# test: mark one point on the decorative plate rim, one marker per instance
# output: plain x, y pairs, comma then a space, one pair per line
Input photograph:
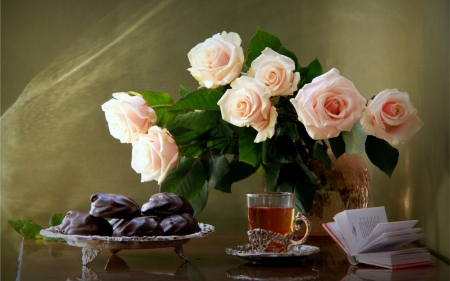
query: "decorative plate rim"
243, 252
205, 230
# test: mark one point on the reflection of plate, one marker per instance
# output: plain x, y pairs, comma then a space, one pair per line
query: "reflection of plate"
297, 253
127, 242
252, 271
117, 269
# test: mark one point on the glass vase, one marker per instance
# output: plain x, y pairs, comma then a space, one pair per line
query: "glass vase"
346, 186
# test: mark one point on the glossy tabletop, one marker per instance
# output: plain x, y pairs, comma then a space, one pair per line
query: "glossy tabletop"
49, 260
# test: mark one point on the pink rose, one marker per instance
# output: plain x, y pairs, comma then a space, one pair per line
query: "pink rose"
391, 116
328, 105
276, 72
247, 103
154, 154
128, 116
218, 60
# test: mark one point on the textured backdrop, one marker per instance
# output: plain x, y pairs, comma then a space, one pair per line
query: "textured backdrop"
62, 59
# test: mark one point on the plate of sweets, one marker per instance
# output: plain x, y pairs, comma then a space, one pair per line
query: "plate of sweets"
166, 220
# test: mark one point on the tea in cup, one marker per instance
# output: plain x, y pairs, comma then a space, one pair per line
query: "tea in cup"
274, 212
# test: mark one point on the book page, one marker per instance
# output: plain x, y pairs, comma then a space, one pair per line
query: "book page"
384, 227
356, 225
392, 243
333, 229
399, 233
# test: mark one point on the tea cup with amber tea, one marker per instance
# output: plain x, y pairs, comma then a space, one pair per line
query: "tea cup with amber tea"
271, 222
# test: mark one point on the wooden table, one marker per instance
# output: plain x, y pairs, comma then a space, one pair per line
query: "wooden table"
48, 260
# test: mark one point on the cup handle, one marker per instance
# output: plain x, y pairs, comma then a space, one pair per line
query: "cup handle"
299, 217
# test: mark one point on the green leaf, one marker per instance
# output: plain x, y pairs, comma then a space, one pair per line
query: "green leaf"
240, 170
237, 130
315, 69
319, 152
289, 181
303, 71
270, 146
272, 173
284, 149
288, 54
186, 179
197, 121
217, 168
219, 142
17, 225
311, 177
230, 147
250, 151
301, 83
156, 99
382, 154
337, 145
301, 130
56, 219
183, 91
192, 151
291, 130
187, 137
266, 159
27, 228
355, 139
199, 141
259, 42
164, 116
304, 197
225, 129
199, 201
203, 99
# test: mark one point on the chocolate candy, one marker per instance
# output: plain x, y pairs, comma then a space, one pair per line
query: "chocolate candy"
113, 206
84, 224
179, 224
139, 226
166, 204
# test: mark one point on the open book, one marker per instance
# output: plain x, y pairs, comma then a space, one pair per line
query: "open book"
367, 237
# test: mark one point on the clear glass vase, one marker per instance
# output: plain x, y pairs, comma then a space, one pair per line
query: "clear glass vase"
346, 186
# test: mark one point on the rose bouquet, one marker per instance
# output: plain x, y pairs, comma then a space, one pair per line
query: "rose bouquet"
261, 111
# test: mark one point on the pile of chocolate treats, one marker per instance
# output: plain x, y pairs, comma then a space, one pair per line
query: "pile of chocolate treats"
164, 214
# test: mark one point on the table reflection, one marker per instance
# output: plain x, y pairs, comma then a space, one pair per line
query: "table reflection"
368, 273
117, 269
50, 260
251, 271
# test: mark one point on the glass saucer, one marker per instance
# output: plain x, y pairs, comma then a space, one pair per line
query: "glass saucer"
297, 253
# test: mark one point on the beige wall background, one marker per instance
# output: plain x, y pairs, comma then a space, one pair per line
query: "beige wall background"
62, 59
